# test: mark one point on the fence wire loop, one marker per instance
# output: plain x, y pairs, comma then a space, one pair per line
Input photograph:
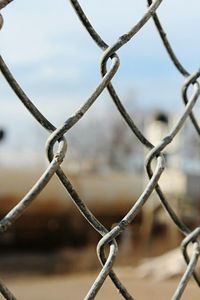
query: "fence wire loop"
155, 152
192, 238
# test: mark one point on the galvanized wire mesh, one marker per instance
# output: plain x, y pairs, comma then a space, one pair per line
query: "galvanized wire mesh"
57, 136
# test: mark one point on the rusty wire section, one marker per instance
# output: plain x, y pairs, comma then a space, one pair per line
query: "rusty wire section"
154, 153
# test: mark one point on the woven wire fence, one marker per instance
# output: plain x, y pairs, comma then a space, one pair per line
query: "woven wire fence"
57, 136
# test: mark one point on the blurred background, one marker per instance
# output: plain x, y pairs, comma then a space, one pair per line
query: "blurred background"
57, 64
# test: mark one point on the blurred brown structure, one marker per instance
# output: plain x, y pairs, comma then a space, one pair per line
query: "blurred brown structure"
53, 219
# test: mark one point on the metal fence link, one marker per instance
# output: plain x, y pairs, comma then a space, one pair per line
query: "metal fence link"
57, 135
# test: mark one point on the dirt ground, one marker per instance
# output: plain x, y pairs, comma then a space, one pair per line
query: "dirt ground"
68, 275
75, 286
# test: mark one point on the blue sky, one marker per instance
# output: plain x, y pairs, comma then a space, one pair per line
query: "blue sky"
57, 63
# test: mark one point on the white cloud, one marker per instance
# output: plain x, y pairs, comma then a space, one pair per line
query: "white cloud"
40, 32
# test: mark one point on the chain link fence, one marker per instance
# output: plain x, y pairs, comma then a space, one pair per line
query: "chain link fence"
57, 136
